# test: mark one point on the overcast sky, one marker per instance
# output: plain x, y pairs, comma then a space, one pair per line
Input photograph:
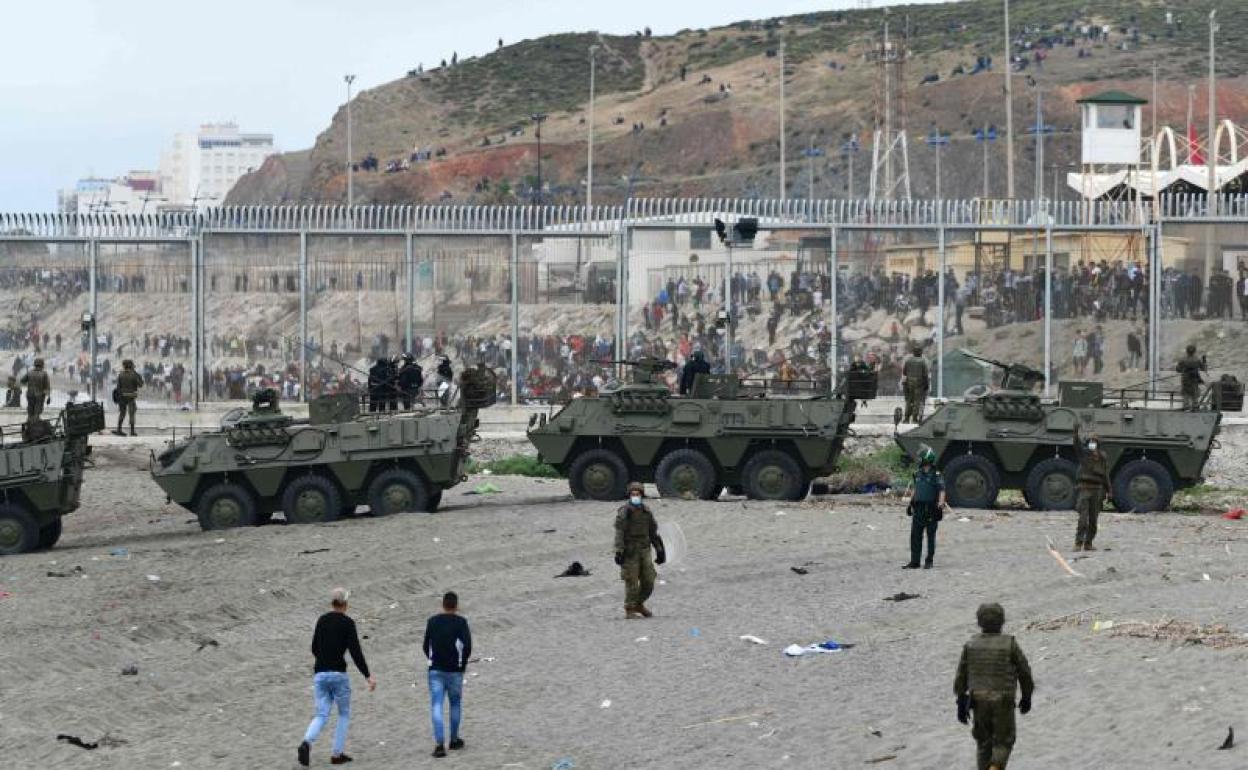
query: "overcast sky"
100, 87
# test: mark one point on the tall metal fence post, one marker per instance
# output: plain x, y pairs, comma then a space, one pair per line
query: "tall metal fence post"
93, 258
940, 315
621, 299
197, 320
409, 256
833, 326
1153, 235
515, 317
1048, 309
303, 315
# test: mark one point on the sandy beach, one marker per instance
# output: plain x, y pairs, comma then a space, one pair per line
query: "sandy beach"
218, 625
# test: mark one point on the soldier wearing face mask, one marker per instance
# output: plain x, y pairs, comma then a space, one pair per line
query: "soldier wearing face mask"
636, 532
1093, 485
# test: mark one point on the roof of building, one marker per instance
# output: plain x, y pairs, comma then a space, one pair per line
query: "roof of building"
1112, 97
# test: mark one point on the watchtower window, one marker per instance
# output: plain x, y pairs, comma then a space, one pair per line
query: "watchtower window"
1121, 116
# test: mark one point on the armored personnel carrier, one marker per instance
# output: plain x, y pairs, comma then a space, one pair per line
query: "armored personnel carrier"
41, 474
765, 439
1009, 438
262, 461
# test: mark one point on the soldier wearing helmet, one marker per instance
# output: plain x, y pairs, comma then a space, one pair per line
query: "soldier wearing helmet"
1093, 487
1190, 367
636, 532
926, 508
129, 382
38, 391
915, 383
990, 670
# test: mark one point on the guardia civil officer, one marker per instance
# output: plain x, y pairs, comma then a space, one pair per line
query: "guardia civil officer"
916, 383
636, 532
411, 378
378, 385
1190, 367
991, 669
697, 365
926, 508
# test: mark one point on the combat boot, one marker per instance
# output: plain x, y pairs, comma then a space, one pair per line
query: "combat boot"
1089, 547
645, 613
631, 613
1078, 546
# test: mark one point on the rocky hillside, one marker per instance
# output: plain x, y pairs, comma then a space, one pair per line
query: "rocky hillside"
696, 113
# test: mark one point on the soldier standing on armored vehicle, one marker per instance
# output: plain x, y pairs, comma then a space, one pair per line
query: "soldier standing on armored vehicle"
992, 665
1190, 368
378, 385
1093, 487
915, 382
695, 366
411, 378
38, 388
635, 533
128, 384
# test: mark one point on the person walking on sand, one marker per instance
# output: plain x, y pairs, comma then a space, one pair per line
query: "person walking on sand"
992, 666
335, 635
635, 533
447, 646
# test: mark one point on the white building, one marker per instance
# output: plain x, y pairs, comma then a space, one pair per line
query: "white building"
136, 193
199, 169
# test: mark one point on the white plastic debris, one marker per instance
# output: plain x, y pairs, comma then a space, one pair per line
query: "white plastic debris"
153, 578
754, 639
1205, 576
606, 704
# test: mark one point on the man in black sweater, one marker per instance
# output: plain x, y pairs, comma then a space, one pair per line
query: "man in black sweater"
335, 635
447, 645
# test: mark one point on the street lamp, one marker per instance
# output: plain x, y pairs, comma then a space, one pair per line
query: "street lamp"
783, 186
848, 151
811, 153
589, 182
937, 140
349, 79
984, 136
538, 118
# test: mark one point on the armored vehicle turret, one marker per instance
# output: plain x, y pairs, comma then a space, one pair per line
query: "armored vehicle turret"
41, 469
766, 439
262, 461
1011, 438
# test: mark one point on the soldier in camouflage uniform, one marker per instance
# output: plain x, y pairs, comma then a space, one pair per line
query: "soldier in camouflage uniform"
1092, 482
915, 383
1190, 368
991, 666
635, 533
38, 391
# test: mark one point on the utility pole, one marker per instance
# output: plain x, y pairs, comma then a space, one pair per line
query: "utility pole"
783, 187
538, 118
1152, 129
589, 181
350, 180
937, 140
1211, 151
1187, 138
985, 136
1009, 109
849, 149
1039, 147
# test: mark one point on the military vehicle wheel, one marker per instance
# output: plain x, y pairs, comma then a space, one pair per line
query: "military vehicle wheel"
224, 506
18, 531
1051, 485
397, 490
50, 533
686, 474
435, 500
1142, 486
971, 481
598, 474
773, 475
311, 499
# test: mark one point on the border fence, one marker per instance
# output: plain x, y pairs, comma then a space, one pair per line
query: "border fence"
214, 304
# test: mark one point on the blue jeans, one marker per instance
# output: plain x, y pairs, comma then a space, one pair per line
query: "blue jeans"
328, 688
445, 685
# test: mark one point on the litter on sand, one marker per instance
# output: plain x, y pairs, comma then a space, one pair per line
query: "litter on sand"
74, 740
901, 596
488, 488
1230, 739
800, 570
1234, 514
575, 569
753, 639
797, 651
563, 764
131, 670
153, 578
313, 550
1060, 561
606, 704
70, 573
119, 552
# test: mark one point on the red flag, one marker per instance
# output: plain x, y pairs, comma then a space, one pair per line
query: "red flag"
1194, 155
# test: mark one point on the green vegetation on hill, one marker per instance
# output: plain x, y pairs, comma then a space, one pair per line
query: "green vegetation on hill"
550, 74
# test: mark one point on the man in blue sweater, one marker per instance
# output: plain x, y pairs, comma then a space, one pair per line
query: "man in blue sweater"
448, 646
